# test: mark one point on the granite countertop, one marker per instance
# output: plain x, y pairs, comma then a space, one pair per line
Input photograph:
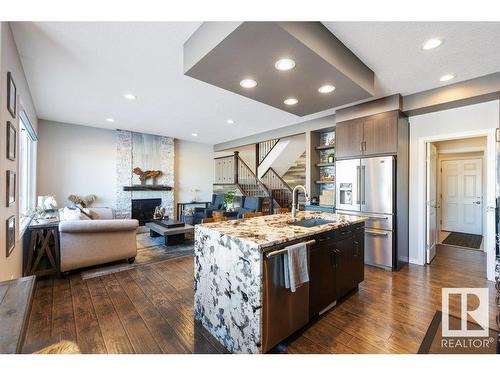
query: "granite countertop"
271, 230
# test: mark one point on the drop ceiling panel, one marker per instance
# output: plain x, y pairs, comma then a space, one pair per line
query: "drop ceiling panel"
251, 51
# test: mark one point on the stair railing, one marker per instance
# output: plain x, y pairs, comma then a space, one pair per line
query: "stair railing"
280, 191
264, 148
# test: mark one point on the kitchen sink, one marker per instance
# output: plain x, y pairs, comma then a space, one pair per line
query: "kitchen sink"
313, 222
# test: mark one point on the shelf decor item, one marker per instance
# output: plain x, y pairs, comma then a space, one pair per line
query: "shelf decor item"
195, 195
331, 157
11, 95
11, 141
145, 175
11, 187
10, 238
85, 201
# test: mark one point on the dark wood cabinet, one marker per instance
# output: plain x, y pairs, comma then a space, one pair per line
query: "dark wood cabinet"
380, 134
349, 138
343, 266
366, 136
336, 265
322, 289
358, 256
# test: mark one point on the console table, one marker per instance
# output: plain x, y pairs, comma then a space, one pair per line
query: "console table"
43, 250
182, 206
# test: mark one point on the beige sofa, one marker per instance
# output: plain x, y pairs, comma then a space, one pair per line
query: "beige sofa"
85, 243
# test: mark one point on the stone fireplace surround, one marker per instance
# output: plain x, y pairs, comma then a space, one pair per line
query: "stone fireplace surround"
147, 152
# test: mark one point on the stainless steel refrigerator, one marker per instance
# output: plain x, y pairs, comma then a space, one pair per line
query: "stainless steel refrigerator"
367, 187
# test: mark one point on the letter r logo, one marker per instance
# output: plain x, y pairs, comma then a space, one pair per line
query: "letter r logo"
477, 314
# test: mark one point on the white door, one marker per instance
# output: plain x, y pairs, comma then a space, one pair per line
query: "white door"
432, 232
462, 195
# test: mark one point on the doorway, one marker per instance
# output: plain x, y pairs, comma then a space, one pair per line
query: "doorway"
461, 195
456, 190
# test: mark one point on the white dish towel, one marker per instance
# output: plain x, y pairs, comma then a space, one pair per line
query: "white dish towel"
295, 262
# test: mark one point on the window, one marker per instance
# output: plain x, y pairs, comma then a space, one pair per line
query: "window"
27, 162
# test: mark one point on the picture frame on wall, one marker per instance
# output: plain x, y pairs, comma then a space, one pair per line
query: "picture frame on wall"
11, 187
10, 235
11, 95
11, 141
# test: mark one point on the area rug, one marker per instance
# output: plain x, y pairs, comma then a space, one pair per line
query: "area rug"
434, 343
150, 250
472, 241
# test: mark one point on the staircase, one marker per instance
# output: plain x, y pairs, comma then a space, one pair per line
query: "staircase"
296, 174
232, 171
280, 191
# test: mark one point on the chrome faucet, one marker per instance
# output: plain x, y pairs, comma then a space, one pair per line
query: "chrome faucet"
295, 204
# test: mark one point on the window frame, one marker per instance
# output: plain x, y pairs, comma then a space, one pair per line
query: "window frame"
26, 170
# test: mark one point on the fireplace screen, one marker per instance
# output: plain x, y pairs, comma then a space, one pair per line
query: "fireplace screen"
143, 209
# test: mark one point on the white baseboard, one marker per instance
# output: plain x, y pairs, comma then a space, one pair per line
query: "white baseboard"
415, 261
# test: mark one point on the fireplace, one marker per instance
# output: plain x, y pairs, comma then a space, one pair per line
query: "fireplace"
143, 209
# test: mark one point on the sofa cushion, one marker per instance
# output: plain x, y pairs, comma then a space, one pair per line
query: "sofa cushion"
102, 213
94, 226
72, 214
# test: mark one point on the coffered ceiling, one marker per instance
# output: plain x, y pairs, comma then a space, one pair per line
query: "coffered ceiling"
79, 72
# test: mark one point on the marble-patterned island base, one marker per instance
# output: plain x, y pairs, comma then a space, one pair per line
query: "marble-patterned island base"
228, 295
228, 289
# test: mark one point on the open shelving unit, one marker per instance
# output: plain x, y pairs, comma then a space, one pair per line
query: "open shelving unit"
325, 147
322, 145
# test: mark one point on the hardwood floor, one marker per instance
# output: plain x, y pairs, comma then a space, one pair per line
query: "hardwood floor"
150, 309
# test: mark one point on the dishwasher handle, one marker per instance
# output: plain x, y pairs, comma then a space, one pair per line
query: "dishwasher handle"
281, 251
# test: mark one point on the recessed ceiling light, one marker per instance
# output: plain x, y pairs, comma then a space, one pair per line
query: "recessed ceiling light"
109, 119
326, 89
230, 122
447, 77
284, 64
291, 101
129, 96
194, 134
432, 43
248, 83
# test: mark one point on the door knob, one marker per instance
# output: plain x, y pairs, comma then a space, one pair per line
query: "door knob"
477, 202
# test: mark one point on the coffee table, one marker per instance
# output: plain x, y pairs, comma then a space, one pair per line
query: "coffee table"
172, 230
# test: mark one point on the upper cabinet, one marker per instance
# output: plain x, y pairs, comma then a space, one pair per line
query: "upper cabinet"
349, 138
371, 135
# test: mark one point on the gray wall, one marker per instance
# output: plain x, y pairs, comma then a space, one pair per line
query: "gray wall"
82, 160
11, 267
76, 159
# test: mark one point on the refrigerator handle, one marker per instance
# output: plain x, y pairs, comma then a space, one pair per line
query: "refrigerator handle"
358, 183
363, 187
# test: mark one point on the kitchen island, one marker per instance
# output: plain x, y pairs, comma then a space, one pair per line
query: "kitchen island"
240, 296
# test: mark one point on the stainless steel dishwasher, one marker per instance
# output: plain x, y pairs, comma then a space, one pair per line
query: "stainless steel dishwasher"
283, 312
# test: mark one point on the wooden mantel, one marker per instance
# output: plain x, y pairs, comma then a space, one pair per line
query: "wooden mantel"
147, 188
